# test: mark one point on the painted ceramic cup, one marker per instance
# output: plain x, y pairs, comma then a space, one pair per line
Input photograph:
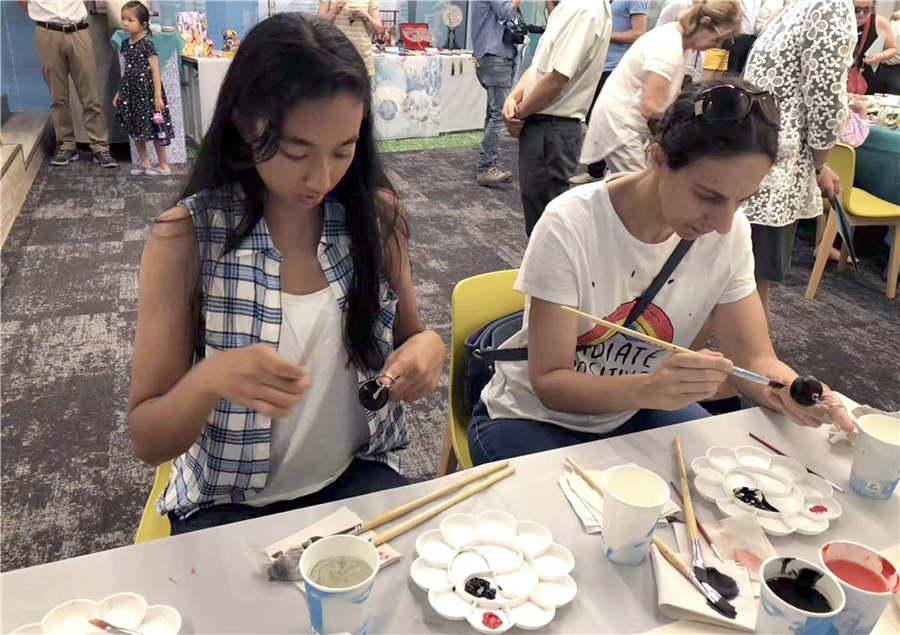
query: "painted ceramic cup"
633, 499
869, 581
778, 616
339, 610
876, 457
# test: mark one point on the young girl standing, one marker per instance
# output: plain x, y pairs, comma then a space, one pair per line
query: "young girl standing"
276, 292
141, 95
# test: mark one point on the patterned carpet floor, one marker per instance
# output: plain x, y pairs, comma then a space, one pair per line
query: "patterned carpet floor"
70, 484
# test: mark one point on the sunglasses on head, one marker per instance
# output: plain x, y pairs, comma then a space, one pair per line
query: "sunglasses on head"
732, 104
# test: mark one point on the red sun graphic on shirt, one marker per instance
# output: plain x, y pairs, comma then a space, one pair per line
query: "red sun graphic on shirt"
653, 321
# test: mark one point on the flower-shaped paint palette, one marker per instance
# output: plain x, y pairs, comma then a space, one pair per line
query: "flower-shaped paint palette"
494, 571
778, 490
125, 610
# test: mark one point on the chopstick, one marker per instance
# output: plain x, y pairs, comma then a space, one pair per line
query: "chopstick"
430, 513
699, 525
712, 596
689, 518
808, 468
742, 373
392, 514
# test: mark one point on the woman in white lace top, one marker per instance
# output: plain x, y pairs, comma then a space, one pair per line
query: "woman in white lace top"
802, 57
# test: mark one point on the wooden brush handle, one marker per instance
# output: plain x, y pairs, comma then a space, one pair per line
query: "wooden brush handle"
689, 518
430, 513
672, 558
392, 514
580, 471
669, 346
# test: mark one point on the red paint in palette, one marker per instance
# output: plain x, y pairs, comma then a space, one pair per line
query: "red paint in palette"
491, 620
859, 576
818, 509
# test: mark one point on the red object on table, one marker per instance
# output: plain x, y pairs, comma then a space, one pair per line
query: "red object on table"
491, 620
415, 35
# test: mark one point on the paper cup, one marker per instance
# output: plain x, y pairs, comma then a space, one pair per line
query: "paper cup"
778, 616
333, 610
864, 604
632, 501
876, 457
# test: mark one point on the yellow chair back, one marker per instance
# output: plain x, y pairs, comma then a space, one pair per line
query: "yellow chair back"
842, 159
476, 301
154, 526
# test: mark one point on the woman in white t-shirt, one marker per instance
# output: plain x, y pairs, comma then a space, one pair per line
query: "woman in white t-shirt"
647, 80
598, 247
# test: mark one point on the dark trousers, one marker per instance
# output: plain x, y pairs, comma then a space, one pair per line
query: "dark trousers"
739, 53
548, 156
496, 439
362, 477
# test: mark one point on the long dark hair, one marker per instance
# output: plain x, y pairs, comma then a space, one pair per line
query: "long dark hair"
283, 60
685, 139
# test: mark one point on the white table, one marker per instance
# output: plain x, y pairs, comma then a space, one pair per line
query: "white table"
229, 595
202, 77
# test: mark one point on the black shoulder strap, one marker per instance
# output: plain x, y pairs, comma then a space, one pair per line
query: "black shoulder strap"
521, 354
650, 294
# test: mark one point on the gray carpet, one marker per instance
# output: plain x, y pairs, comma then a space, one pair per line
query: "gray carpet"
69, 268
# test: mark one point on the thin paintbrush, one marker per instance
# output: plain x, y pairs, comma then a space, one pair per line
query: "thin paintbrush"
742, 373
808, 468
699, 525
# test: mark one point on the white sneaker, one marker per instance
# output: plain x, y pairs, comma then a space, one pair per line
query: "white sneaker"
492, 177
158, 172
139, 171
582, 179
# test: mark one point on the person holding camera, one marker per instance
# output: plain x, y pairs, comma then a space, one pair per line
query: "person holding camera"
546, 109
496, 32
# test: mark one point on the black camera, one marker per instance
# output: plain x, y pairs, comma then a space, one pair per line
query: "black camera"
514, 32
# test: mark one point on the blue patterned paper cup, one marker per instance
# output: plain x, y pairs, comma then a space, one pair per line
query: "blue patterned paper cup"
343, 610
777, 617
876, 457
632, 501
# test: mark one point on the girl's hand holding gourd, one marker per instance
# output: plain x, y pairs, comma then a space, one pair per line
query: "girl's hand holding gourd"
256, 377
415, 367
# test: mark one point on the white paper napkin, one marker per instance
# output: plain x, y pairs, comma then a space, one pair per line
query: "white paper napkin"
679, 600
588, 504
334, 523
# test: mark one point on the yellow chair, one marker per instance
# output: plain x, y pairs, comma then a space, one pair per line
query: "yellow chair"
154, 526
476, 301
862, 209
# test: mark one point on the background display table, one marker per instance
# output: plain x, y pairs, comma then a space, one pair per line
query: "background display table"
202, 78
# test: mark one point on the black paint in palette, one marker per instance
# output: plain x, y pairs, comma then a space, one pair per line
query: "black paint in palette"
798, 588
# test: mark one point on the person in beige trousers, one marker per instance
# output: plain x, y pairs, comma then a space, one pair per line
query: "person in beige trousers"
64, 46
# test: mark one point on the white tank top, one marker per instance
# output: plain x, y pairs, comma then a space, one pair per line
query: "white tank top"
317, 441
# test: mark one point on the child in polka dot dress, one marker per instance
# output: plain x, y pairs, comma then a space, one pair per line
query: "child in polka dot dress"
141, 95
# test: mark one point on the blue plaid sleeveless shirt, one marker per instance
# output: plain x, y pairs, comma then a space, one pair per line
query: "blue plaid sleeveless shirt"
241, 306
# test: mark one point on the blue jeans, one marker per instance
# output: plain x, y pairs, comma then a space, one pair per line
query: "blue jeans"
362, 477
496, 439
495, 74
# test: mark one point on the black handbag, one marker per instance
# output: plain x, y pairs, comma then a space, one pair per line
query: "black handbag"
482, 348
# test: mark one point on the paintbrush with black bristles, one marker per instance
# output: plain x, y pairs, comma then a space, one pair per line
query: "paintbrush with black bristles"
713, 598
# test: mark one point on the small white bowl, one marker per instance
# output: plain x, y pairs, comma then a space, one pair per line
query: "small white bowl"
496, 525
752, 456
812, 508
428, 577
459, 529
431, 547
557, 562
530, 617
721, 458
70, 618
126, 610
29, 629
448, 604
161, 620
555, 592
533, 538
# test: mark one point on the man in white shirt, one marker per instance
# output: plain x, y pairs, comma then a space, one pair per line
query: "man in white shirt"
546, 109
65, 48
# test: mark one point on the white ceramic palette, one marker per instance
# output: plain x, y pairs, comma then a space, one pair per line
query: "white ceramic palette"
526, 570
802, 502
127, 610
